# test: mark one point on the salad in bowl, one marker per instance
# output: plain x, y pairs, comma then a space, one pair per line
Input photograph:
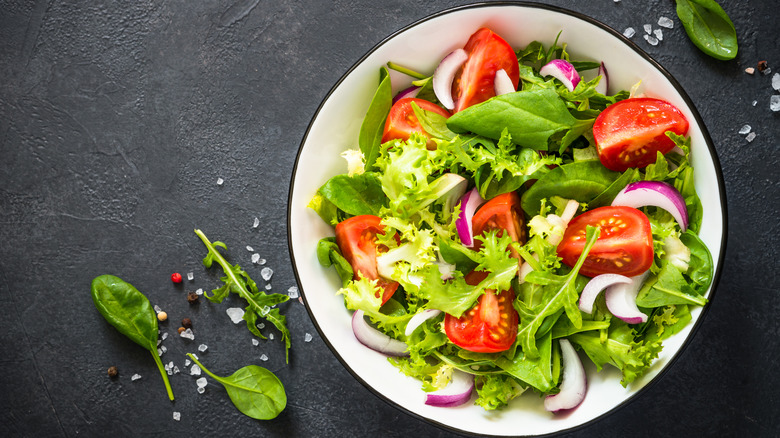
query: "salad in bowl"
510, 231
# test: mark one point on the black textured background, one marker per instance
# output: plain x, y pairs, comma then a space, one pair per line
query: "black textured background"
118, 117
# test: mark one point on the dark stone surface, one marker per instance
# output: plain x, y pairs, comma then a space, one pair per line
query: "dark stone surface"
117, 118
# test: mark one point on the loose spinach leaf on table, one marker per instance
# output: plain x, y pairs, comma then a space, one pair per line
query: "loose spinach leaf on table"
370, 137
254, 390
709, 27
259, 304
130, 312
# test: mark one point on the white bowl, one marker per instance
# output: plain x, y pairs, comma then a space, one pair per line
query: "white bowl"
335, 127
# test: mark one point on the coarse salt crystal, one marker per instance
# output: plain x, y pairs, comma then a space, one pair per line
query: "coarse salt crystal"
164, 348
270, 336
776, 81
263, 357
292, 292
255, 342
261, 262
268, 286
135, 377
165, 336
203, 347
261, 326
187, 334
249, 248
665, 22
175, 369
659, 34
159, 341
750, 137
190, 276
255, 258
766, 71
220, 181
774, 102
195, 356
629, 32
199, 291
201, 382
266, 273
651, 40
755, 102
307, 337
750, 70
744, 129
177, 416
256, 223
187, 362
159, 352
157, 308
201, 389
648, 28
236, 314
195, 370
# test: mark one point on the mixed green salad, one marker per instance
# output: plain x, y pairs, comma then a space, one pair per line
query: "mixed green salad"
486, 208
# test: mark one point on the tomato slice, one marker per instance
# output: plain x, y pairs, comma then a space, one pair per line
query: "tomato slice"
629, 133
504, 213
488, 327
625, 245
356, 237
487, 54
402, 122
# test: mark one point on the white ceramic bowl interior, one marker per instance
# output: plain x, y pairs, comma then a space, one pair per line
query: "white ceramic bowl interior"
335, 128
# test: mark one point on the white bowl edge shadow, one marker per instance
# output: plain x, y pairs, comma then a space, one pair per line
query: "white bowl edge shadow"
335, 128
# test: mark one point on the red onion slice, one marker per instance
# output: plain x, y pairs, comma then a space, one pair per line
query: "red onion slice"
409, 92
374, 339
445, 74
621, 300
603, 86
656, 194
595, 286
468, 205
502, 84
563, 71
418, 319
573, 384
456, 393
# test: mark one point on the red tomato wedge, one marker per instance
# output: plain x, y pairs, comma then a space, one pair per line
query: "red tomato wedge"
402, 122
629, 133
356, 237
487, 54
625, 245
488, 327
501, 213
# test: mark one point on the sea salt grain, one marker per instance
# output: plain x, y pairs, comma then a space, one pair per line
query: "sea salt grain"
750, 137
255, 258
261, 262
270, 336
292, 292
135, 377
164, 348
255, 342
629, 32
755, 102
199, 291
266, 273
750, 70
201, 382
157, 309
195, 370
187, 362
648, 28
164, 336
776, 81
263, 357
236, 314
651, 40
256, 223
665, 22
190, 276
220, 181
177, 416
175, 369
203, 347
250, 249
187, 334
307, 337
268, 286
774, 102
744, 130
201, 389
659, 34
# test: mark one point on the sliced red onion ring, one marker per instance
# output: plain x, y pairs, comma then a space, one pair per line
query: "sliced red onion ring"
418, 319
573, 384
603, 86
657, 194
502, 84
409, 92
445, 74
595, 286
455, 394
374, 339
621, 300
468, 205
563, 71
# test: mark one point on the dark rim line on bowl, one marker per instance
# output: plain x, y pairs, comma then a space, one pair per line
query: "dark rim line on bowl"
640, 52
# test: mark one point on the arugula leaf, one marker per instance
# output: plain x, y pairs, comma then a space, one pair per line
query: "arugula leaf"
669, 287
356, 195
370, 137
533, 369
709, 28
259, 304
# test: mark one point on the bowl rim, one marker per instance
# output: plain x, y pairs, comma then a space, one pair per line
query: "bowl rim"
639, 51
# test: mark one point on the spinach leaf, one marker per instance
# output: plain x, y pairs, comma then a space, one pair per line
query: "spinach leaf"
370, 137
535, 371
259, 304
355, 195
328, 253
127, 309
254, 390
580, 180
608, 195
700, 268
709, 27
669, 287
326, 210
530, 117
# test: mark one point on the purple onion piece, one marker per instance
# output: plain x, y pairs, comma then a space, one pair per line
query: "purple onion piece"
656, 194
418, 319
563, 71
502, 84
468, 206
621, 300
374, 339
603, 85
595, 286
408, 92
574, 384
456, 393
445, 74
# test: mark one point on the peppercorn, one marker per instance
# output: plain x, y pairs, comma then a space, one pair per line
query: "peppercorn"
112, 371
186, 323
762, 65
181, 329
192, 297
162, 316
176, 277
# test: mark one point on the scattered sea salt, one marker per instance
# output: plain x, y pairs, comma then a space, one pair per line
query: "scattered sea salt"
263, 357
744, 130
755, 102
767, 71
236, 314
307, 337
199, 291
255, 342
256, 223
750, 137
195, 370
659, 34
201, 382
648, 28
270, 336
750, 70
175, 369
665, 22
629, 32
774, 102
266, 273
157, 309
268, 286
190, 276
201, 389
255, 258
165, 336
164, 348
187, 362
651, 40
159, 341
261, 326
159, 352
203, 347
250, 249
177, 416
220, 181
195, 356
135, 377
187, 334
776, 81
261, 262
292, 292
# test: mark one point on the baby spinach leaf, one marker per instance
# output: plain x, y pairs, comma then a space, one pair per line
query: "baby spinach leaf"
669, 287
355, 195
709, 27
370, 137
127, 309
535, 371
325, 209
259, 304
328, 253
254, 390
700, 268
530, 117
